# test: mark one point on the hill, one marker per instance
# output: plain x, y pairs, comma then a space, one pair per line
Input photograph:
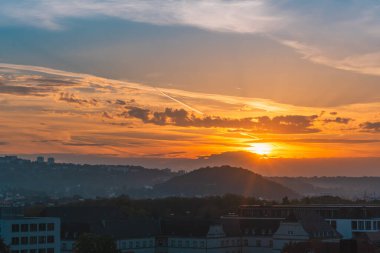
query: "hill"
223, 180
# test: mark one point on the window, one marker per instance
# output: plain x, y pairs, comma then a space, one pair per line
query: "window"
33, 227
50, 239
144, 244
186, 244
271, 243
42, 251
130, 244
24, 227
124, 245
179, 243
24, 240
354, 225
172, 243
151, 243
15, 251
33, 240
137, 244
195, 244
33, 251
15, 241
202, 244
15, 228
290, 232
368, 225
24, 251
245, 242
50, 226
258, 243
41, 239
333, 224
361, 225
42, 227
50, 250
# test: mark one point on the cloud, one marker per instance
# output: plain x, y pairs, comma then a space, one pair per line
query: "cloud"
284, 21
220, 15
361, 63
181, 117
373, 127
72, 98
338, 120
316, 140
24, 90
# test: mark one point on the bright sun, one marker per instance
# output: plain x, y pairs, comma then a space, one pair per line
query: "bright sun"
261, 148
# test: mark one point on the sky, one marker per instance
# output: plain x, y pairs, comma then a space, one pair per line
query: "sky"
96, 81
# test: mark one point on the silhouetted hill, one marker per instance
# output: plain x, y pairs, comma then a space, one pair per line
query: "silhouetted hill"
223, 180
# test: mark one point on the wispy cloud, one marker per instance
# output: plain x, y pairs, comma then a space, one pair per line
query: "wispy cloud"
284, 21
234, 16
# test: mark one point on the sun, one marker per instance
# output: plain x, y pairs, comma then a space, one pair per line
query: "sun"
261, 148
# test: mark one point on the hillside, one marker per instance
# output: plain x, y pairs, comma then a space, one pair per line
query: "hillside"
365, 187
22, 176
223, 180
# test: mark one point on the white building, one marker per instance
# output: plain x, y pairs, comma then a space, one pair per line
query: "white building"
29, 234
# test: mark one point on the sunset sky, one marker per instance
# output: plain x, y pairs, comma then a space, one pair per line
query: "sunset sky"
185, 79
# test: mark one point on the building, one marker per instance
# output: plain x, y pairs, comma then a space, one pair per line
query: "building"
40, 159
303, 229
50, 161
29, 234
348, 220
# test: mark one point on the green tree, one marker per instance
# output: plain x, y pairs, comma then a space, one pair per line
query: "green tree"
3, 247
90, 243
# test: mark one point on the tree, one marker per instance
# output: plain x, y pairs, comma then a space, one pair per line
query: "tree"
3, 247
90, 243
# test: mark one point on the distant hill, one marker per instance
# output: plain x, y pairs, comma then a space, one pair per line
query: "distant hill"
23, 176
223, 180
346, 187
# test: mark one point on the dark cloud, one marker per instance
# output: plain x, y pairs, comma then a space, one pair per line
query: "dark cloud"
333, 113
306, 140
72, 98
373, 127
107, 115
181, 117
339, 120
24, 90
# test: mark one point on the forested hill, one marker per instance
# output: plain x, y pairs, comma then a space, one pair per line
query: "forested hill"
223, 180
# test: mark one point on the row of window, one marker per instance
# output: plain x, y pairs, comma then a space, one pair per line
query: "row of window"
32, 227
187, 244
32, 240
49, 250
137, 244
365, 225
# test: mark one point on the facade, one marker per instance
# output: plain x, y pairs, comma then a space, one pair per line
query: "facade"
30, 234
348, 220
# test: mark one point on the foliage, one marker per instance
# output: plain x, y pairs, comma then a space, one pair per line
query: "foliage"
3, 247
89, 243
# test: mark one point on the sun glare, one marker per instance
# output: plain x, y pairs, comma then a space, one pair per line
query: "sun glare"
261, 148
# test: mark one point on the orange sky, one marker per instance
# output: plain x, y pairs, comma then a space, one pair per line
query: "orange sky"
50, 111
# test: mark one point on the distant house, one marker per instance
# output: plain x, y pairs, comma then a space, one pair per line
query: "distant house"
303, 228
